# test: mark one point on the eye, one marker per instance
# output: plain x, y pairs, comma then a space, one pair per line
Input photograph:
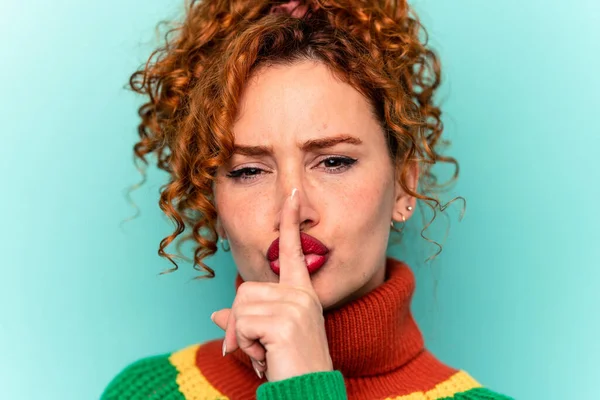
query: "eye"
247, 173
334, 165
337, 164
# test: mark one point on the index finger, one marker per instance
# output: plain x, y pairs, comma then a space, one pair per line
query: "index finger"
292, 265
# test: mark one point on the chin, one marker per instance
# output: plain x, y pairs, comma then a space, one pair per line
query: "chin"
333, 302
329, 291
335, 291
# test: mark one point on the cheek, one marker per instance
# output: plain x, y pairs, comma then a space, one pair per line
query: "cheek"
243, 216
365, 205
247, 223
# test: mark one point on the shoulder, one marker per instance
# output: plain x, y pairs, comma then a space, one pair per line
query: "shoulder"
163, 376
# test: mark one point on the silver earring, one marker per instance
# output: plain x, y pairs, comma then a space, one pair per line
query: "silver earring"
403, 222
409, 208
223, 242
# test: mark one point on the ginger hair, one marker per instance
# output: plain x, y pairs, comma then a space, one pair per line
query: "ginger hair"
193, 83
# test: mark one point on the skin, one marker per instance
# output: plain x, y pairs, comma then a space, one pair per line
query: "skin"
278, 320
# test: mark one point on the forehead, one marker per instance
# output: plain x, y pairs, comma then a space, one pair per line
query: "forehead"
300, 101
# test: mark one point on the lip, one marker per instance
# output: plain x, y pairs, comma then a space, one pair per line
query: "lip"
316, 253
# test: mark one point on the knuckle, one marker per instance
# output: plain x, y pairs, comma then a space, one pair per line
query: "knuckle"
304, 299
287, 328
244, 287
295, 313
245, 290
238, 312
321, 319
241, 323
307, 300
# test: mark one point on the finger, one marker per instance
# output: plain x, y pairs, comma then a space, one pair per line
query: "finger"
262, 292
225, 320
222, 319
292, 266
249, 330
257, 353
230, 342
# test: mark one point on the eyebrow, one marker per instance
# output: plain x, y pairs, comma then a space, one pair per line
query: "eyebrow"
309, 145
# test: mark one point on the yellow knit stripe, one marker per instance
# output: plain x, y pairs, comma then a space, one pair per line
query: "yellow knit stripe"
192, 384
459, 382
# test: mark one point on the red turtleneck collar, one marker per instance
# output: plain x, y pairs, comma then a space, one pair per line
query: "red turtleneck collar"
373, 340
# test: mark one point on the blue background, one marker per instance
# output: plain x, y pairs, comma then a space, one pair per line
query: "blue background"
516, 299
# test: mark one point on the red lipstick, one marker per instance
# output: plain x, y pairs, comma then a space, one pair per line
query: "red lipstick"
315, 253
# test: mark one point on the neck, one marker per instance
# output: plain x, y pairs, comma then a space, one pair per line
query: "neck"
378, 324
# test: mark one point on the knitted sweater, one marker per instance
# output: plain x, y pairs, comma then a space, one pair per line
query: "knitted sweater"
376, 347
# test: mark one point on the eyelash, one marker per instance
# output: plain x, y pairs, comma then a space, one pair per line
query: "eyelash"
241, 174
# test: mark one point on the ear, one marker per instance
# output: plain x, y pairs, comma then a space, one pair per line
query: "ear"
403, 199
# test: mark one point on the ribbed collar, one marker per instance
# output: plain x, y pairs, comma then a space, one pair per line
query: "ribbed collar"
373, 334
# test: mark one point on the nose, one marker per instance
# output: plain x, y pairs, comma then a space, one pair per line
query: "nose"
309, 215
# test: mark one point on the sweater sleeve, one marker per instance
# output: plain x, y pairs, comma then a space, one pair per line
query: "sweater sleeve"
148, 378
328, 385
480, 393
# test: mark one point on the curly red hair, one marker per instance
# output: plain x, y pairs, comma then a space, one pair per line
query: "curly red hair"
193, 83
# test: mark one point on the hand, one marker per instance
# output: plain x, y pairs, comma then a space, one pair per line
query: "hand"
281, 323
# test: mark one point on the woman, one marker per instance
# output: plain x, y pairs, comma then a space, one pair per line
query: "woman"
297, 134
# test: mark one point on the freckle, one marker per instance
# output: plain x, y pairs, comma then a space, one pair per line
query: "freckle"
324, 125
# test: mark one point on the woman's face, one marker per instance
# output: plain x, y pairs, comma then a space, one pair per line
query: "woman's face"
300, 127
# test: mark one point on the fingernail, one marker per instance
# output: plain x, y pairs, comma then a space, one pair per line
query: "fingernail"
212, 316
257, 371
224, 348
294, 198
